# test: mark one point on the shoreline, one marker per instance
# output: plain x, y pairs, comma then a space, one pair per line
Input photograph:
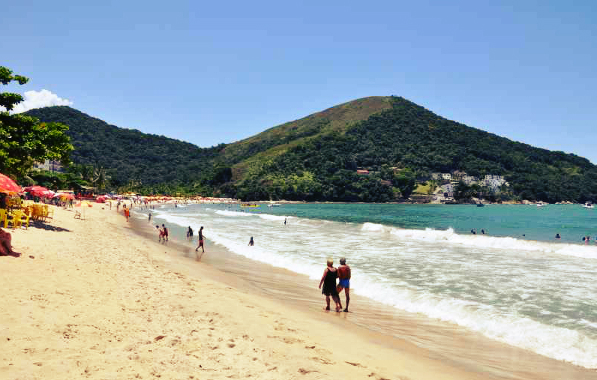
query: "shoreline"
100, 301
384, 323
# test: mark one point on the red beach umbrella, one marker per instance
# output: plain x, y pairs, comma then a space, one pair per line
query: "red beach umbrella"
37, 191
7, 185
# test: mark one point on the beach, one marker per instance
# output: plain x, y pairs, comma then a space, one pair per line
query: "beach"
97, 301
93, 298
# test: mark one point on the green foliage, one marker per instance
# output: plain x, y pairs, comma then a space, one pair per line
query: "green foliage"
131, 159
23, 139
405, 181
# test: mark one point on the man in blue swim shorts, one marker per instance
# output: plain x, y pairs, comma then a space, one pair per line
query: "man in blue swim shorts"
344, 283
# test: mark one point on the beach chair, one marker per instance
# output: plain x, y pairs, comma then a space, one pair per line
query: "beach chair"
3, 217
46, 212
35, 212
18, 218
50, 212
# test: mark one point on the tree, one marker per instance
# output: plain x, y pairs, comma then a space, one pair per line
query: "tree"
23, 139
405, 181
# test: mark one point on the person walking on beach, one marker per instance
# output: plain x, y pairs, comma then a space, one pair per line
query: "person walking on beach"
165, 232
126, 212
190, 234
251, 242
160, 233
344, 281
149, 219
200, 241
328, 280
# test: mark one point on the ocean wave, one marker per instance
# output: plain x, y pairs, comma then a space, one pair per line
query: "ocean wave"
551, 341
373, 227
273, 217
233, 213
483, 241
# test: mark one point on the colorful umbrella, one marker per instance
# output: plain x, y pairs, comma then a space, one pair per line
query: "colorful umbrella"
7, 185
37, 191
65, 195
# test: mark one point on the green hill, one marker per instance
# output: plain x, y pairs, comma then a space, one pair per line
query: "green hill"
129, 156
317, 157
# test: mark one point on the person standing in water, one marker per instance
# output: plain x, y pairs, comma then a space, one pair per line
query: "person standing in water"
344, 283
200, 241
328, 280
251, 242
190, 234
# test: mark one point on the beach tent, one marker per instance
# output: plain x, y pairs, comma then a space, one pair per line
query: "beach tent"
7, 185
100, 199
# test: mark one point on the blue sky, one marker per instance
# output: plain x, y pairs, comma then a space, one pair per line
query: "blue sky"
218, 72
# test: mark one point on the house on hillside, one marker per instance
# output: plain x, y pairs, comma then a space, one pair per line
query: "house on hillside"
448, 190
494, 177
470, 180
458, 175
362, 172
446, 176
49, 165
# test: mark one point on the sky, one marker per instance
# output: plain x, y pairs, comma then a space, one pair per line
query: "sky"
219, 72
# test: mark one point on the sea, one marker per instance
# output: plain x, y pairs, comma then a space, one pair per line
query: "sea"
512, 281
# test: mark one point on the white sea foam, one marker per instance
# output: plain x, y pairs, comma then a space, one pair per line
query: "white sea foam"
555, 342
233, 213
272, 217
484, 241
373, 227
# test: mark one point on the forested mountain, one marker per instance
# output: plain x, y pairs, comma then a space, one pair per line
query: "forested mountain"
317, 157
129, 156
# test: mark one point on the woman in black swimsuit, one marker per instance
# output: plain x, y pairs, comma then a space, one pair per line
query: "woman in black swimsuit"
330, 274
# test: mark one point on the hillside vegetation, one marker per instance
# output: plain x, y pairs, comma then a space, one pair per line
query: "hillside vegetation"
317, 157
130, 157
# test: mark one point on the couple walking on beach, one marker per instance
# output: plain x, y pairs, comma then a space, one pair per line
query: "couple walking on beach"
331, 289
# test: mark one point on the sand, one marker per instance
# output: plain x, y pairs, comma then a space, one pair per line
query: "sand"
91, 299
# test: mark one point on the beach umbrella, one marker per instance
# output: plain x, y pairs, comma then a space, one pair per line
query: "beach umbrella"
66, 195
7, 185
37, 191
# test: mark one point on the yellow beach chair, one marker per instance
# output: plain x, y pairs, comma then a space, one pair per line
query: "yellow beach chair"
18, 218
3, 217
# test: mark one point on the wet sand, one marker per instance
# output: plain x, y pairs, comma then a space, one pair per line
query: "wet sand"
446, 342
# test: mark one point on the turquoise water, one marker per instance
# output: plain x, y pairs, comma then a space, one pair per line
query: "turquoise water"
531, 292
572, 222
